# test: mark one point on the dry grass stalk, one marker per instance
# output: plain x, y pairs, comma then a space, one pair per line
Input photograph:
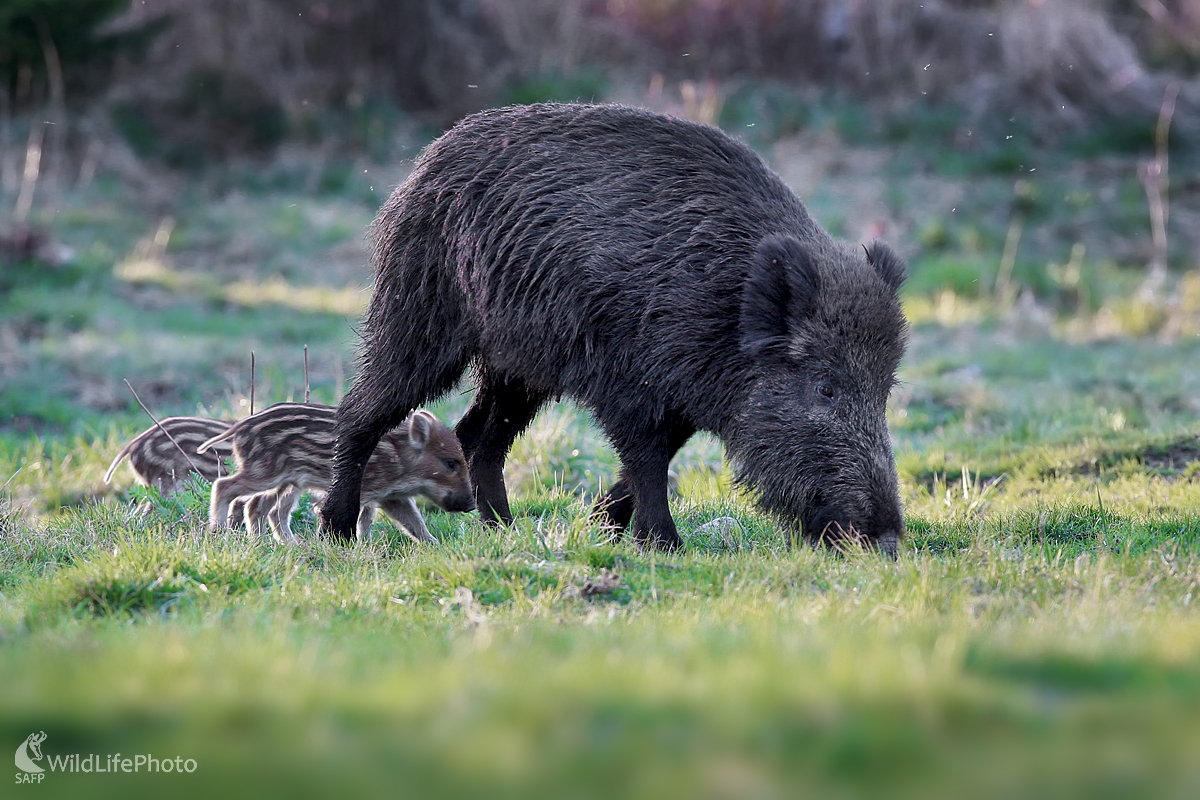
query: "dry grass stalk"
58, 91
252, 383
1155, 179
1004, 290
29, 176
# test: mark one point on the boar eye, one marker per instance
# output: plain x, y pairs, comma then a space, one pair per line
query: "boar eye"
451, 464
825, 390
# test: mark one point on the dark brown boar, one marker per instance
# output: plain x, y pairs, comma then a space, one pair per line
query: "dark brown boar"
287, 449
656, 271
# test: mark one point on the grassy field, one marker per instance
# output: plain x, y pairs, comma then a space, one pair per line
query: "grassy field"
1037, 636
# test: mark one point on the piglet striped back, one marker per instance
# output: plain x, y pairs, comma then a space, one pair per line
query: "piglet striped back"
165, 464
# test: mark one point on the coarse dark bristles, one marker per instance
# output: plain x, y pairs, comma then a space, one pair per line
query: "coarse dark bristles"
656, 271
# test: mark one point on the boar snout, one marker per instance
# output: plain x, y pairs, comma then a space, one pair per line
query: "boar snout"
881, 527
888, 543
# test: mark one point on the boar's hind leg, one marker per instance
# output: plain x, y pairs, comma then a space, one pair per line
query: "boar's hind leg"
645, 457
614, 509
501, 410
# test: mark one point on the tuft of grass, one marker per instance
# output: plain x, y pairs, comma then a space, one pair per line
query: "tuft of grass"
154, 576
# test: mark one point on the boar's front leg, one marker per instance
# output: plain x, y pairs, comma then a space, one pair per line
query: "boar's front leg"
353, 445
614, 509
645, 457
501, 410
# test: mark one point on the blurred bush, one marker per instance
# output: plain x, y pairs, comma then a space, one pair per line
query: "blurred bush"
240, 76
70, 42
222, 76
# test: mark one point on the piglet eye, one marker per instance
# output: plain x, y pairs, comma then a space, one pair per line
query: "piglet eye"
451, 464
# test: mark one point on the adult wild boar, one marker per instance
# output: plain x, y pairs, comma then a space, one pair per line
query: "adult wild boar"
656, 271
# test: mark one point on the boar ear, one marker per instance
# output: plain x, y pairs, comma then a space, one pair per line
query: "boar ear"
418, 429
781, 287
889, 265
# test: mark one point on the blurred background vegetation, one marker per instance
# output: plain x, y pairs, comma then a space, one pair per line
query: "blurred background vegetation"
1008, 146
184, 182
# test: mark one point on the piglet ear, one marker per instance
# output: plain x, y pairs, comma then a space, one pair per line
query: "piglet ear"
889, 265
418, 429
781, 288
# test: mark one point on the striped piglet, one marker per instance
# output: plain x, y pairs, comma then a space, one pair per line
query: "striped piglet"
166, 465
158, 462
287, 449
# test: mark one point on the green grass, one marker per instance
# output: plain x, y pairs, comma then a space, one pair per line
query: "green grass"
1014, 654
1036, 637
